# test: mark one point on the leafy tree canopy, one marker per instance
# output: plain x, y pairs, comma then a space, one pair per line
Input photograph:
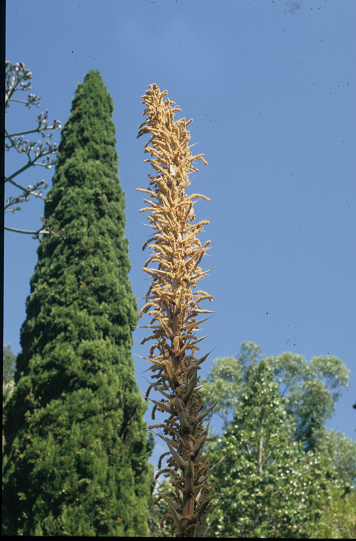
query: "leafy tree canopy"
8, 364
312, 388
338, 517
270, 486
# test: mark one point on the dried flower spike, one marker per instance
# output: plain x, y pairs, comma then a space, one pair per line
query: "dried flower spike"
173, 301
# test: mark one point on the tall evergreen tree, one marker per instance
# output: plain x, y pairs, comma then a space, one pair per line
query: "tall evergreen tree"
76, 454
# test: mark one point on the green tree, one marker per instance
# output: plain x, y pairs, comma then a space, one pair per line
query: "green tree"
342, 451
158, 510
226, 379
8, 364
338, 517
76, 454
271, 487
18, 78
312, 390
8, 368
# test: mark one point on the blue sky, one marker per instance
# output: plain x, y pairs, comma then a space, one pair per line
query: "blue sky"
272, 95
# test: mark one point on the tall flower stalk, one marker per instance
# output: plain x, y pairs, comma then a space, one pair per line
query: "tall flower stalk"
173, 300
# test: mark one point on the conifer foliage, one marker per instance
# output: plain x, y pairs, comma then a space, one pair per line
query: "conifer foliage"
76, 454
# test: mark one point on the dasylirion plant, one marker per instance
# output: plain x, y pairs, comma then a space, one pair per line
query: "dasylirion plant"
173, 300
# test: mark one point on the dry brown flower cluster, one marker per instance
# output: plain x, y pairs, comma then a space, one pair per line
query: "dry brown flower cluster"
173, 301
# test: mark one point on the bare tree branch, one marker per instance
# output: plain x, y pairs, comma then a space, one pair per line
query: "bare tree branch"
19, 78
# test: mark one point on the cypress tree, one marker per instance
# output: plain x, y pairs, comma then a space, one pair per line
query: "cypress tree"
76, 454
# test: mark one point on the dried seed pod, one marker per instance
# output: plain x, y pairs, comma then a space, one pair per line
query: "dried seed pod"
168, 396
189, 481
200, 441
172, 376
205, 413
202, 480
177, 458
190, 386
175, 515
163, 406
184, 423
167, 440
